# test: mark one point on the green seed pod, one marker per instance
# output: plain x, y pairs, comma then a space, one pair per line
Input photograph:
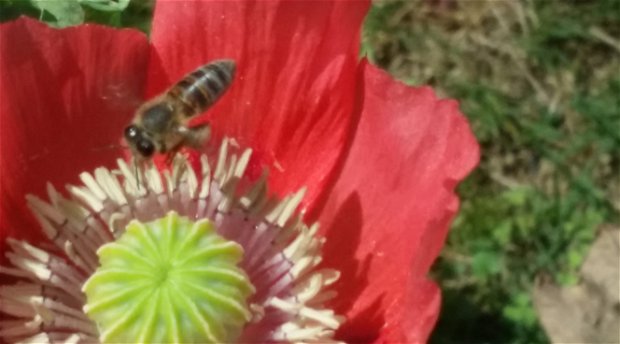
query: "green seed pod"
170, 280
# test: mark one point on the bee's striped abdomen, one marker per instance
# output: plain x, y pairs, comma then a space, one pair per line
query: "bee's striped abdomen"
200, 89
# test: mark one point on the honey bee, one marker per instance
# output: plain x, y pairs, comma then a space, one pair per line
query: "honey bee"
160, 124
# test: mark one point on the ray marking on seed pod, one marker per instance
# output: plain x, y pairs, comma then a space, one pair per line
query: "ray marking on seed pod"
213, 251
120, 296
226, 302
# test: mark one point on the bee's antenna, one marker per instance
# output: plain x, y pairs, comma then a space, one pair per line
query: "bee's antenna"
135, 165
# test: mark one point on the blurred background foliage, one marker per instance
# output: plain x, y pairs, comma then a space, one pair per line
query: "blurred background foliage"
62, 13
540, 83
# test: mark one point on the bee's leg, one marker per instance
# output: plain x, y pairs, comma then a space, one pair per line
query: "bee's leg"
171, 149
196, 136
170, 156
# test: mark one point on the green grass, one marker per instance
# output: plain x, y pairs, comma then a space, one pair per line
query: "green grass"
539, 82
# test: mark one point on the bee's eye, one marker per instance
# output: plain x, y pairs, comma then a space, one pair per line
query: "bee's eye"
145, 148
131, 133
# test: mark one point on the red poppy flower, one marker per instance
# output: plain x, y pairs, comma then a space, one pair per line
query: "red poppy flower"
380, 160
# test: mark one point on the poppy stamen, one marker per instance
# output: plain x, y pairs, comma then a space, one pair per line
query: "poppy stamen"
281, 254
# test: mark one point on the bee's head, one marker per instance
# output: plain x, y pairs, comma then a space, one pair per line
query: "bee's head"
139, 142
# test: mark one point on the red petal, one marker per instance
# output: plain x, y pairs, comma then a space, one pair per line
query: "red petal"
388, 214
292, 98
66, 96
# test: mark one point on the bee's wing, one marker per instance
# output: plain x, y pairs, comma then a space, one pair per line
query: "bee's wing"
195, 136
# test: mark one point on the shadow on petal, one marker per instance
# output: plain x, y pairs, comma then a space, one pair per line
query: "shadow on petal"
343, 239
365, 327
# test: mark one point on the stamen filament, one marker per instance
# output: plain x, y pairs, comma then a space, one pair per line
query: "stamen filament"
280, 257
